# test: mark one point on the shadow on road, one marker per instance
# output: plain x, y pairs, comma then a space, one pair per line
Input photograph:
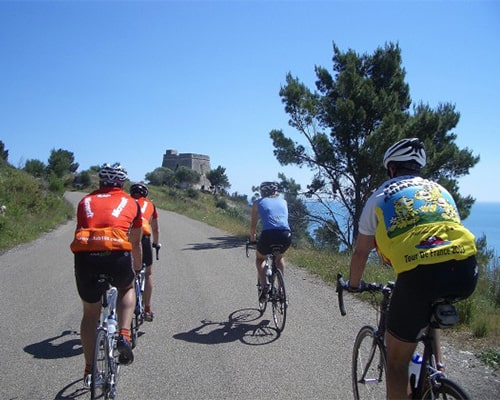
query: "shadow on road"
241, 325
219, 242
71, 391
53, 347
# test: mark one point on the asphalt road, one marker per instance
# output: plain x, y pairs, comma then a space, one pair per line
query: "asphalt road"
208, 340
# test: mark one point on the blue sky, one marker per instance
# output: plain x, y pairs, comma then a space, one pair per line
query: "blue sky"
127, 80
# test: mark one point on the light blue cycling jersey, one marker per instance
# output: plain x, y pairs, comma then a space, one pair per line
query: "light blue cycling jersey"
273, 212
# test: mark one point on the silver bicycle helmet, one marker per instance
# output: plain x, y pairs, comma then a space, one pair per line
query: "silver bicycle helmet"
268, 188
139, 190
406, 150
112, 175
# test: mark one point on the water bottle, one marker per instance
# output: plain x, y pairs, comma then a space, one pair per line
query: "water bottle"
269, 272
414, 369
112, 324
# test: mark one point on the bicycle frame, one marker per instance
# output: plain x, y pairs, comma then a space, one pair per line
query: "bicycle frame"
277, 293
140, 279
108, 377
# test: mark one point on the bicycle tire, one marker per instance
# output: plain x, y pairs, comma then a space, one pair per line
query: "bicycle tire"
262, 303
445, 388
279, 301
99, 384
369, 366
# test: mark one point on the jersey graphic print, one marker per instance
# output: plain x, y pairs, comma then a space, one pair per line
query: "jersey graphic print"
419, 224
411, 203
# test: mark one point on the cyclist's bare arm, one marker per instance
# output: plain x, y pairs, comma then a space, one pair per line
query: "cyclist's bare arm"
364, 245
135, 238
254, 218
155, 230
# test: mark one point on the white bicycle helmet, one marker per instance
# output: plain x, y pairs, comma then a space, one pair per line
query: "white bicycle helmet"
406, 150
112, 175
268, 188
139, 190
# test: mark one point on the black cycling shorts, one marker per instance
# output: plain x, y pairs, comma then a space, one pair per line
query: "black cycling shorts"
274, 237
88, 266
411, 303
147, 251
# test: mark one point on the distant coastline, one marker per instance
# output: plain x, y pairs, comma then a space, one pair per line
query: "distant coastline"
484, 219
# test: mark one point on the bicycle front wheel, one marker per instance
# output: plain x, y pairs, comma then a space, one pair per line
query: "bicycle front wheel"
279, 301
444, 388
100, 367
369, 366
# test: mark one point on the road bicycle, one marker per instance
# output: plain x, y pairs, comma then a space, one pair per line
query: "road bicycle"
277, 293
105, 366
369, 357
139, 282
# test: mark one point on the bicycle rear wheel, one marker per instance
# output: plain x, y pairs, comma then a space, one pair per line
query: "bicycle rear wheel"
263, 301
369, 366
279, 301
100, 367
444, 388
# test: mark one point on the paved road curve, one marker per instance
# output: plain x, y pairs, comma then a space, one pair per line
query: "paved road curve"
208, 340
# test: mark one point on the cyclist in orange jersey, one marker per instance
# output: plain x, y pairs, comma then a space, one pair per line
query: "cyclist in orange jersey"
150, 226
107, 241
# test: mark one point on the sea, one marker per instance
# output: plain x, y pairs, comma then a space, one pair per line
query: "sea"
484, 219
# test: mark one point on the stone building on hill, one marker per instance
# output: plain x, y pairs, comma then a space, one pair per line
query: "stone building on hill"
197, 162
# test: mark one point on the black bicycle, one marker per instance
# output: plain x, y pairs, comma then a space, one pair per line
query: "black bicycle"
369, 358
105, 366
139, 282
276, 294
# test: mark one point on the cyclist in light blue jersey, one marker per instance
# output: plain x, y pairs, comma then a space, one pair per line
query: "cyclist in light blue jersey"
272, 210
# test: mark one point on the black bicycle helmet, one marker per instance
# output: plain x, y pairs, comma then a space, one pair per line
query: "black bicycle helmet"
139, 190
112, 175
404, 151
268, 188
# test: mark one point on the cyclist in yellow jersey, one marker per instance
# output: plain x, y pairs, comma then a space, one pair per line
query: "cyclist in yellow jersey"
415, 226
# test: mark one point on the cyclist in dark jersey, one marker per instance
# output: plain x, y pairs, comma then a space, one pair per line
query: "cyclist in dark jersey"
415, 226
272, 210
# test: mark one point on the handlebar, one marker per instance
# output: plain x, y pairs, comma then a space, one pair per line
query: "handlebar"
363, 287
157, 247
249, 243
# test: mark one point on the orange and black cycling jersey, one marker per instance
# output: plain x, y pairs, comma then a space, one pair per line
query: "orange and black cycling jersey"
149, 213
104, 220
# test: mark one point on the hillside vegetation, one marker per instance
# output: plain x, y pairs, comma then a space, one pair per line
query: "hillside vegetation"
31, 209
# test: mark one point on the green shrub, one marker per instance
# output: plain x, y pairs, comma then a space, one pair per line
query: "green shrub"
192, 193
222, 204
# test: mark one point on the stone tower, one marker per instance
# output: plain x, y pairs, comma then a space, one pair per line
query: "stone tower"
197, 162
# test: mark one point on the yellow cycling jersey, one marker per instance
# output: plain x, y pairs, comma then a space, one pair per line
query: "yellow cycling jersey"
415, 222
